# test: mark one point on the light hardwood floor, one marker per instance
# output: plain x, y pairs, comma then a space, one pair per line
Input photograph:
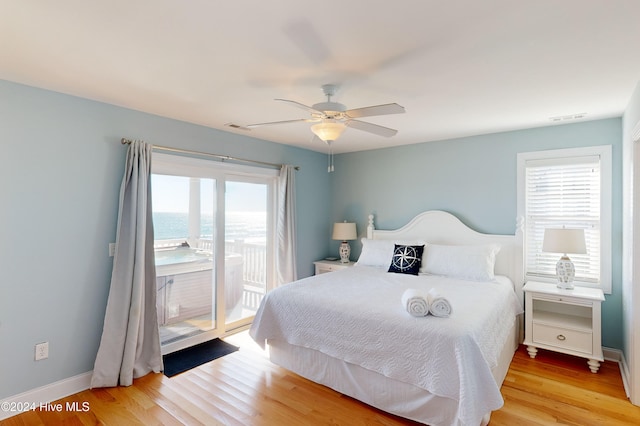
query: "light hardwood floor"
244, 388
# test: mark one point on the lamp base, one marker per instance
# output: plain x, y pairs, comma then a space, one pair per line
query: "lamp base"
565, 272
345, 252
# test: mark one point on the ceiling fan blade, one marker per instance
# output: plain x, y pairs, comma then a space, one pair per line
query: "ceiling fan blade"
375, 110
299, 105
299, 120
371, 128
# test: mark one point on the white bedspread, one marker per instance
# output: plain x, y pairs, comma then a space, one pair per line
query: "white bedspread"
355, 314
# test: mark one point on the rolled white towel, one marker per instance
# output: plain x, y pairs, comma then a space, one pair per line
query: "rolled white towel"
439, 306
415, 302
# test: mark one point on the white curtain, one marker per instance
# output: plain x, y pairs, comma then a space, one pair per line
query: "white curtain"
130, 344
286, 227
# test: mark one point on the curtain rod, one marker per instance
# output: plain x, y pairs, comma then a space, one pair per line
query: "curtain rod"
126, 141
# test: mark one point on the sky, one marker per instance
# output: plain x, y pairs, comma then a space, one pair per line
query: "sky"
171, 194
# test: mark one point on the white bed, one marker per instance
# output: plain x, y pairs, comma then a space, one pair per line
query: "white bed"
348, 329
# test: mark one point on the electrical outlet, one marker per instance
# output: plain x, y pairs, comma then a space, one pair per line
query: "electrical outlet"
112, 249
42, 351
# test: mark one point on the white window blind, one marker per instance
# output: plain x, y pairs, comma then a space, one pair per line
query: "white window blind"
563, 192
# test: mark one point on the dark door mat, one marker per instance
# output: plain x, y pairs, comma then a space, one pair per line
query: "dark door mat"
188, 358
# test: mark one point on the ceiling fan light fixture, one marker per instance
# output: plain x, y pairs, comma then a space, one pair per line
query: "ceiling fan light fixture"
334, 117
328, 130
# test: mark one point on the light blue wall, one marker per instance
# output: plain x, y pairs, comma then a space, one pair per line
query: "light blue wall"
473, 178
61, 164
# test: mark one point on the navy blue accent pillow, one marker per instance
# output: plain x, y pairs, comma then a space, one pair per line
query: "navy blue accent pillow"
406, 259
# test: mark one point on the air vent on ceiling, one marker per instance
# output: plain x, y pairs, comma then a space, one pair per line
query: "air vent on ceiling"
237, 126
568, 117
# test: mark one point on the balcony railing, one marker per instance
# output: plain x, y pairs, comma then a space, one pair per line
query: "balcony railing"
254, 256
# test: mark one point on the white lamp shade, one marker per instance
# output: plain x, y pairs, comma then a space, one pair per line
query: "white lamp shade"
564, 241
344, 231
328, 130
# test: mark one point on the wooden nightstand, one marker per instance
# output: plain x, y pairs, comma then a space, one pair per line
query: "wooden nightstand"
323, 266
567, 321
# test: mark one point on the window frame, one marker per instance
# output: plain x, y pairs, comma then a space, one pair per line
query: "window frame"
604, 152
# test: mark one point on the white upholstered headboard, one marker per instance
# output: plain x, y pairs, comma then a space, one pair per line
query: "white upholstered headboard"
439, 227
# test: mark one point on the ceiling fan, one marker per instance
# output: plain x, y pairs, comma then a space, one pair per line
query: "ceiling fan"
332, 118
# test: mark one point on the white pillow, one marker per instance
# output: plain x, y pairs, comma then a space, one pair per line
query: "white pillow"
466, 262
376, 252
380, 252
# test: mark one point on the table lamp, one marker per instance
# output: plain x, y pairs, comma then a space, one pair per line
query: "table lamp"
344, 231
564, 241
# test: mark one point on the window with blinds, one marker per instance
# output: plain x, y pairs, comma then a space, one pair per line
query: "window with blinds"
570, 189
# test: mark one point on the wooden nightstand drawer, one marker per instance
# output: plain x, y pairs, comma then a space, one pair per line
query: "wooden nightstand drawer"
564, 299
324, 266
329, 268
563, 338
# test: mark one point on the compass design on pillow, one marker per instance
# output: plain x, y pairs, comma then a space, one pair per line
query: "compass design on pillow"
406, 258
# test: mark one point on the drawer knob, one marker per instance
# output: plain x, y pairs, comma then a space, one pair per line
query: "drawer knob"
561, 337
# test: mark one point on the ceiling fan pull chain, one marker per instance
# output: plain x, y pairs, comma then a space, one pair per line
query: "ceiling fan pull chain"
330, 158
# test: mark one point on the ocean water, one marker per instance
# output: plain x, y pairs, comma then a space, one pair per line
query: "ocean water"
249, 226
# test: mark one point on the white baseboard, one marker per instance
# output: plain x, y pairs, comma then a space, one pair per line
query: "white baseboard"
33, 398
617, 355
610, 354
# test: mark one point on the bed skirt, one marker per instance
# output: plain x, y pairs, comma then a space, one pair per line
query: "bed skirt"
372, 388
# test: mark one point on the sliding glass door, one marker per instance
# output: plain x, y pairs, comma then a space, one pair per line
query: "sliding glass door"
183, 217
246, 248
213, 246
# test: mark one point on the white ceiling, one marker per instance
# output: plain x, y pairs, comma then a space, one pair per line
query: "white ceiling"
459, 67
